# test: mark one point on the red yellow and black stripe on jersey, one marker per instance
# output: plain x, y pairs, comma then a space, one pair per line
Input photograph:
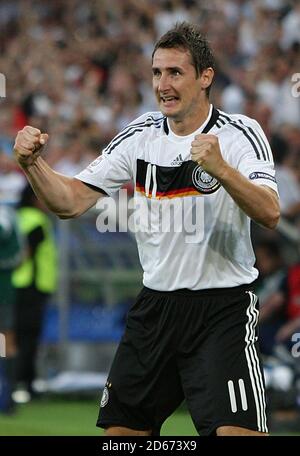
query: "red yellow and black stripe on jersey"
167, 181
172, 194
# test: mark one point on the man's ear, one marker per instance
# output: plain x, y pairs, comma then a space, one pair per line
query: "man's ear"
206, 77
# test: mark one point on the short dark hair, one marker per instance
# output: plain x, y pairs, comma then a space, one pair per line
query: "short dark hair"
189, 37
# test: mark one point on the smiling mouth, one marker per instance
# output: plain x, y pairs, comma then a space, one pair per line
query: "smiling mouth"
168, 99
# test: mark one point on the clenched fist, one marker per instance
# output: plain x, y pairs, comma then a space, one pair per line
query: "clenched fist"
206, 152
28, 145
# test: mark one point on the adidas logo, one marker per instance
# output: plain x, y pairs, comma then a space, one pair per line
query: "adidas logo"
177, 161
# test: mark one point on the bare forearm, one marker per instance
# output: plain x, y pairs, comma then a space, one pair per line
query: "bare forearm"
54, 189
65, 196
257, 202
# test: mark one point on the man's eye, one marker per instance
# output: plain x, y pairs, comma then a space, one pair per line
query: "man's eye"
156, 72
175, 73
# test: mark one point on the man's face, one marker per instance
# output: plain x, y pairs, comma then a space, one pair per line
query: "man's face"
175, 84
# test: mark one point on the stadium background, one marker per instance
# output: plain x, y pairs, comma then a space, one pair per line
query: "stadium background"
81, 72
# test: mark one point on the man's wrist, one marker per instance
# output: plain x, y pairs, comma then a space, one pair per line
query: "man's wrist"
224, 172
28, 163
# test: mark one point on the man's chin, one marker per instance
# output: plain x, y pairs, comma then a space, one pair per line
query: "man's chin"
170, 113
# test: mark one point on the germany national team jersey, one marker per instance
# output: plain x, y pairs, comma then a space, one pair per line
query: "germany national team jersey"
190, 232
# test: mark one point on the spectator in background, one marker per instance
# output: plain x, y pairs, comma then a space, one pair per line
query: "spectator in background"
11, 180
271, 266
278, 289
290, 296
286, 165
97, 61
10, 257
73, 160
35, 280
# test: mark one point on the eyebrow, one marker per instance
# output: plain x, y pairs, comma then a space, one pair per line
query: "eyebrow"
168, 68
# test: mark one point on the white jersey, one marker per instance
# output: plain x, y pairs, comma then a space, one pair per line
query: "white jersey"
190, 233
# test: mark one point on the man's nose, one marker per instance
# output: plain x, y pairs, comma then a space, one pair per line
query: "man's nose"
164, 83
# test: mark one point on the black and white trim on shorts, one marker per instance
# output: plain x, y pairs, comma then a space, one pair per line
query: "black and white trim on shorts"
253, 364
258, 144
131, 130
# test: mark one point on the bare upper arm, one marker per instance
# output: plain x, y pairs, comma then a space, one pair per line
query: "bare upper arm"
85, 196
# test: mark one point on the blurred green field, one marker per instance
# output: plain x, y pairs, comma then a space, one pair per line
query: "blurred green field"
61, 416
70, 417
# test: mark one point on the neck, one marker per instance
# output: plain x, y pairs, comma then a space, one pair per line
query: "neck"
190, 123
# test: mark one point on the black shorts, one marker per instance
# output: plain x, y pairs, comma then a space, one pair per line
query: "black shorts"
200, 346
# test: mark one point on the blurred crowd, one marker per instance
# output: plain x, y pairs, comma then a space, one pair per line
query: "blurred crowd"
81, 70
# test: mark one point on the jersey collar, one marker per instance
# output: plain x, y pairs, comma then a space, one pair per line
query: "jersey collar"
204, 128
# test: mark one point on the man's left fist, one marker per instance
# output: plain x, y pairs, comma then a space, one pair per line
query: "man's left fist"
205, 150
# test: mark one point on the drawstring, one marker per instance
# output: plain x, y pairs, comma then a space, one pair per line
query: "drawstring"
154, 181
151, 169
148, 180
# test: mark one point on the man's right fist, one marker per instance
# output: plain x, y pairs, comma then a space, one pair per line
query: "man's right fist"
28, 145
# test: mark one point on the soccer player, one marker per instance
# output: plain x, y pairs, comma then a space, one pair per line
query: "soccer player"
192, 331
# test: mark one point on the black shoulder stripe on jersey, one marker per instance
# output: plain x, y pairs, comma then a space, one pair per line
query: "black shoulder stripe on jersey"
257, 145
225, 117
233, 124
256, 135
146, 123
220, 122
239, 127
137, 130
259, 140
267, 149
149, 120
